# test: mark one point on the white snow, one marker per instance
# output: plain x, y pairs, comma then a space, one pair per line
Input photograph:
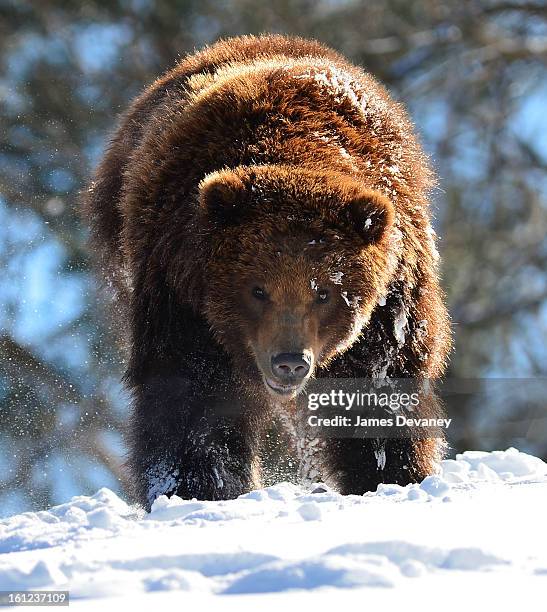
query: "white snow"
340, 85
399, 326
473, 533
336, 277
380, 455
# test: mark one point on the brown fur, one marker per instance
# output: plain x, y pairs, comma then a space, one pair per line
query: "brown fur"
265, 161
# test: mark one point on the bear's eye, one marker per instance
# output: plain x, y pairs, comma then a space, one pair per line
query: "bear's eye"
259, 294
322, 296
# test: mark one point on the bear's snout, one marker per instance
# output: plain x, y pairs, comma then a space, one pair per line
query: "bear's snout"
291, 367
288, 373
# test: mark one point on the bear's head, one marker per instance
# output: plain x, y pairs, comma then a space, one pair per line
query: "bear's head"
297, 261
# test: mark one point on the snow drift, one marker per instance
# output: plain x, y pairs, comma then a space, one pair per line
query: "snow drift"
479, 523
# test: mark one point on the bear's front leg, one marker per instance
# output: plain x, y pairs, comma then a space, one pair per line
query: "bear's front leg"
191, 438
356, 466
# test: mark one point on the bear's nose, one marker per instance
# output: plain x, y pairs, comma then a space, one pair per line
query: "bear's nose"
290, 366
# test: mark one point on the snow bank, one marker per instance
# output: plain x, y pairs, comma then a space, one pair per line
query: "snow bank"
482, 515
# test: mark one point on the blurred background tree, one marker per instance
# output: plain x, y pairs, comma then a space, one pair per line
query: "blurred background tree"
473, 76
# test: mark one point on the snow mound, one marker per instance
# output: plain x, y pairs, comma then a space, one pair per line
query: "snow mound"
504, 465
481, 516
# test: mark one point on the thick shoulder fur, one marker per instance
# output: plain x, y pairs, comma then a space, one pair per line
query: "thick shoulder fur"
152, 115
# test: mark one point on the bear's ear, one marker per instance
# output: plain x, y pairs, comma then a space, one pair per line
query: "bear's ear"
222, 197
371, 215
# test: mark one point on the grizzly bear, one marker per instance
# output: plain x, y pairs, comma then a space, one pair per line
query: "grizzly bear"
262, 214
